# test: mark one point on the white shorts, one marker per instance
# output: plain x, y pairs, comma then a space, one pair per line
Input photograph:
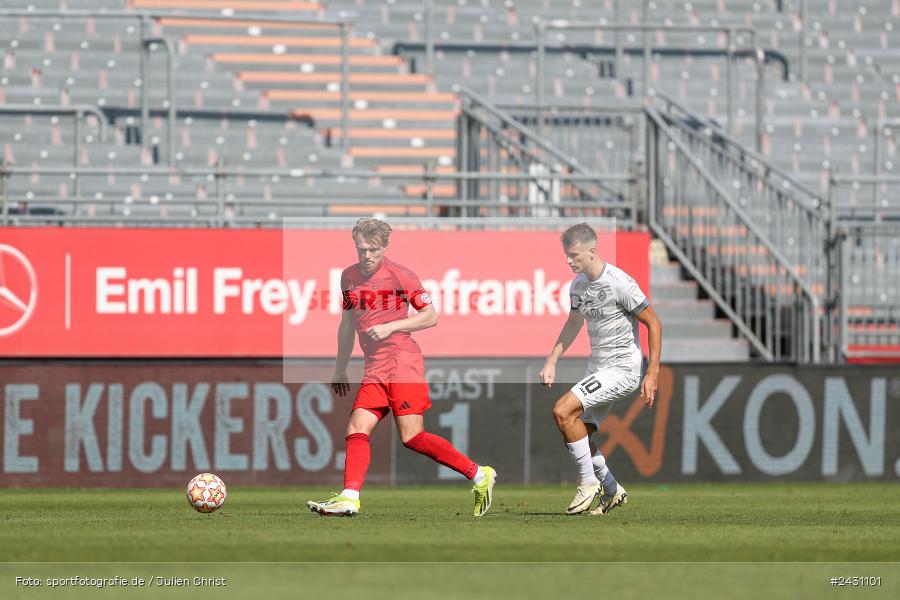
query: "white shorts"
598, 390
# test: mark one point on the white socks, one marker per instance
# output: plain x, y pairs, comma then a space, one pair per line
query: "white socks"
351, 494
580, 451
600, 468
610, 485
479, 476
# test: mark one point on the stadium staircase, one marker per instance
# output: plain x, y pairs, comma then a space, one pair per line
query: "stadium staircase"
693, 332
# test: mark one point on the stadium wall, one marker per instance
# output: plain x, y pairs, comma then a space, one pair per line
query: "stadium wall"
157, 423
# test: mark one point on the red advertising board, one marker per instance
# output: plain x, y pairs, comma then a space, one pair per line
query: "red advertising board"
269, 293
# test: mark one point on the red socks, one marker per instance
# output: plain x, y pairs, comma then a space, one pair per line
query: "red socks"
356, 461
439, 450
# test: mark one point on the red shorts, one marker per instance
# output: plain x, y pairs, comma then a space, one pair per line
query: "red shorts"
395, 382
401, 398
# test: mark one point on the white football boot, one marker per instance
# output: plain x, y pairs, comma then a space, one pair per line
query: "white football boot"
607, 503
584, 497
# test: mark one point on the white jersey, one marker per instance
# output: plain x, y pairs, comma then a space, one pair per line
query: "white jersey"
610, 304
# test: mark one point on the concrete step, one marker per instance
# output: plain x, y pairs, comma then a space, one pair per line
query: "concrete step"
668, 273
675, 290
719, 329
703, 350
683, 310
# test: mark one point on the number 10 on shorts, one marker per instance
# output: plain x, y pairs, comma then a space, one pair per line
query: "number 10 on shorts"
590, 385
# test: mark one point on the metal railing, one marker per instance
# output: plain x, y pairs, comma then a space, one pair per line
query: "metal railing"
110, 114
883, 128
790, 214
225, 199
869, 301
864, 288
732, 258
732, 36
79, 112
494, 140
843, 248
148, 44
602, 139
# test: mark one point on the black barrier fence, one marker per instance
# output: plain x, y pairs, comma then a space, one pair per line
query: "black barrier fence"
152, 422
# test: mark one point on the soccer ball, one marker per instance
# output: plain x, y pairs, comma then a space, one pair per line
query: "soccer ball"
206, 493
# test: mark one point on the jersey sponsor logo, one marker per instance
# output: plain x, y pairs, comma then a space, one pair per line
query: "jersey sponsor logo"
366, 299
647, 460
592, 313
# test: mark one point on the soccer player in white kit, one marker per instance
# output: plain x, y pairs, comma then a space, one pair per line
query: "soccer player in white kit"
612, 303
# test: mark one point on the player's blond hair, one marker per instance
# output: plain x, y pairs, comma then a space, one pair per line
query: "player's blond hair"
372, 229
578, 234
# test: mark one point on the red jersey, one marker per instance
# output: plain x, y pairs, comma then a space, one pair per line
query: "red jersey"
383, 297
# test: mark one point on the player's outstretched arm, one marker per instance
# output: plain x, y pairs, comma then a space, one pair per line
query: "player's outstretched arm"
566, 337
346, 338
654, 327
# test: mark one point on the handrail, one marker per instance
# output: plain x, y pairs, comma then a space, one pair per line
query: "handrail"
469, 96
221, 209
306, 173
114, 113
879, 130
625, 109
748, 222
59, 109
553, 223
751, 226
194, 15
585, 51
820, 202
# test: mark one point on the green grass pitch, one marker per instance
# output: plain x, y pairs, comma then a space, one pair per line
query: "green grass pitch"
729, 527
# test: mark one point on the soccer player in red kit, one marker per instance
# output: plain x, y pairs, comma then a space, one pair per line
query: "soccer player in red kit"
377, 294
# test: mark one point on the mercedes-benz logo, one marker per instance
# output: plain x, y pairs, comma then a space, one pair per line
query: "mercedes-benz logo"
18, 290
